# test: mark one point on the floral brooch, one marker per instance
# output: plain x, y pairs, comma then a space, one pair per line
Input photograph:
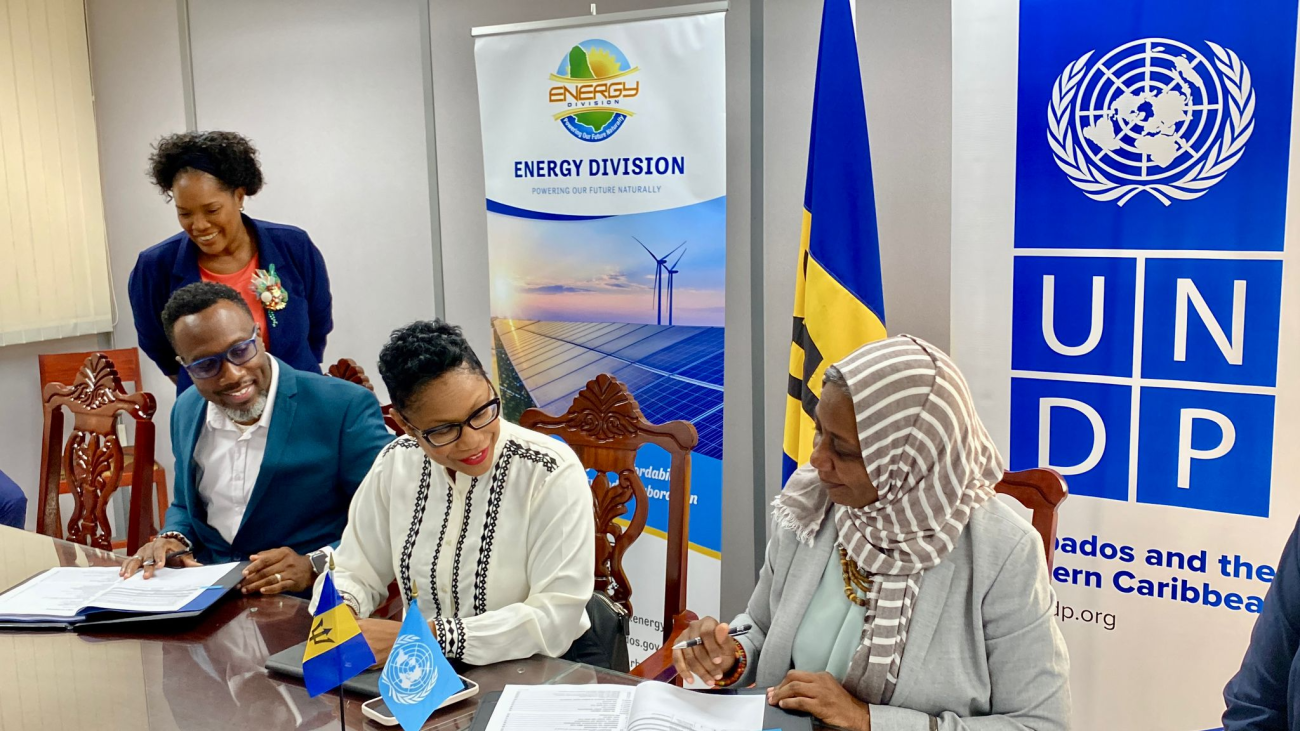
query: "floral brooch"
272, 294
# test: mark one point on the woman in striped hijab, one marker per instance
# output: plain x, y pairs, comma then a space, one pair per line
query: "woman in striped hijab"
897, 593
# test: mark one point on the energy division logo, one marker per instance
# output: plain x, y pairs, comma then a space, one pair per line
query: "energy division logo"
592, 84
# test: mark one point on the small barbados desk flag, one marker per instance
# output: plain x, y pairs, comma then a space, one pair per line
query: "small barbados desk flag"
839, 304
336, 650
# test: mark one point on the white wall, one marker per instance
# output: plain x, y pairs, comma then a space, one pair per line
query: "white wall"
905, 50
332, 94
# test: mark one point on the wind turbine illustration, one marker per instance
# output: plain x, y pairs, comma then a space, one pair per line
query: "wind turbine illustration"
661, 264
671, 271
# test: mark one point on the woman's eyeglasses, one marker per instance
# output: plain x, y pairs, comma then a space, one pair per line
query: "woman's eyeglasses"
238, 354
441, 436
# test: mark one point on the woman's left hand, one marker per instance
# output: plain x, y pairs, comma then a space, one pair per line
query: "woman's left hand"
821, 695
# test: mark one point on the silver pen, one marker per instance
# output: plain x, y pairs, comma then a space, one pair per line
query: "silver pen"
739, 629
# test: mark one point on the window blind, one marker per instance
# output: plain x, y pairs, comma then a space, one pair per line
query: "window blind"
54, 275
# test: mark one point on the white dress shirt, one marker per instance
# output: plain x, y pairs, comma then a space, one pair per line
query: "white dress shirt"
504, 563
229, 457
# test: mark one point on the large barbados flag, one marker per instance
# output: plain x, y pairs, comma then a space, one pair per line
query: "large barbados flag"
336, 650
838, 303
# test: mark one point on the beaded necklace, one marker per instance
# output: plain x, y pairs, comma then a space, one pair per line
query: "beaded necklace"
856, 584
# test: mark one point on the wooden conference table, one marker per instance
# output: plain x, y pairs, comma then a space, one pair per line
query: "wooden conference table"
208, 674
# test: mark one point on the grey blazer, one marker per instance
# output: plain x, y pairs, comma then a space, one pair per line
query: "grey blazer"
983, 650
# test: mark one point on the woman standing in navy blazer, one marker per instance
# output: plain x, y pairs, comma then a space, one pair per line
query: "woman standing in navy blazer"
275, 267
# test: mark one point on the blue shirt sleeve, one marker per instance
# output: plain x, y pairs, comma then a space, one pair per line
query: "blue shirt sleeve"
1257, 696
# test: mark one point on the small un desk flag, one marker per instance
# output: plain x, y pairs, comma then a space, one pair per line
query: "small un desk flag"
336, 650
417, 677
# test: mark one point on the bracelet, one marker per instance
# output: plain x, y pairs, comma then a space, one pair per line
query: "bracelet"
351, 600
738, 670
177, 536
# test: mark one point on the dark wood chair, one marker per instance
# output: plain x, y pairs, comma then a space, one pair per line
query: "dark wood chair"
348, 370
63, 368
1041, 490
93, 460
606, 428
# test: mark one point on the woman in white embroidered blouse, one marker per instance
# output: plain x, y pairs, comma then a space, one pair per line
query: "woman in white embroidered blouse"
491, 522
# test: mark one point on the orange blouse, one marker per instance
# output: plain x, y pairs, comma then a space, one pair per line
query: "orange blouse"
242, 282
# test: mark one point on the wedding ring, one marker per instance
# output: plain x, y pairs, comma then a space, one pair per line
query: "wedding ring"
278, 578
148, 562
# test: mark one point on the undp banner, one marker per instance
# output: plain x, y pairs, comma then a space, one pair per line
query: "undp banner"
1120, 254
604, 156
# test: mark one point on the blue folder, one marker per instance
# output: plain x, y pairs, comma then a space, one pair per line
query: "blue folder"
92, 618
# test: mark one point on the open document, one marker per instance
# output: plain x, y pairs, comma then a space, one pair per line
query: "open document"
645, 707
68, 594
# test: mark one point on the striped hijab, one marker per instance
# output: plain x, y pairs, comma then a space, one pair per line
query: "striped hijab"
932, 462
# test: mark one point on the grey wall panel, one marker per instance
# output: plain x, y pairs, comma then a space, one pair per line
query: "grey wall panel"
332, 93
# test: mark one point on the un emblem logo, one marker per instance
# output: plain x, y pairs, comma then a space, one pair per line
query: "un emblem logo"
409, 673
1153, 115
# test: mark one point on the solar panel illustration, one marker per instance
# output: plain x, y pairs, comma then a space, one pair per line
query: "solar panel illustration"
674, 372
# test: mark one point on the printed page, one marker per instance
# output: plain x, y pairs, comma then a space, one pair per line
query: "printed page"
57, 594
659, 707
168, 591
562, 708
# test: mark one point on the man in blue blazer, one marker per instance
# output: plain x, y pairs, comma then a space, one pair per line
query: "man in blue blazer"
1265, 694
267, 457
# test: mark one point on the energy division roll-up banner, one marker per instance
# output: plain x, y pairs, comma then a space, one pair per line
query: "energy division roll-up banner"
604, 148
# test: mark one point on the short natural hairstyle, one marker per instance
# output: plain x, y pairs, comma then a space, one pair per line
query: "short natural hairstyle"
195, 298
227, 156
421, 352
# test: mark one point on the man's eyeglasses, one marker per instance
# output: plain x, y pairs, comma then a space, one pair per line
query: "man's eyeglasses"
441, 436
238, 354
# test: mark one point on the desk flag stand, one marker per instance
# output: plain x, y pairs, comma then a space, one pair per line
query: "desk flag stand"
417, 678
336, 650
343, 704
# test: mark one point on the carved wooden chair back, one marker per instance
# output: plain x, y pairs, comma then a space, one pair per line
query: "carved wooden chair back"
1042, 491
92, 459
348, 370
63, 368
606, 428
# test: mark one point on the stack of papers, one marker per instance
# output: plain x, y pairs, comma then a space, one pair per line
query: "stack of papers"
645, 707
68, 594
